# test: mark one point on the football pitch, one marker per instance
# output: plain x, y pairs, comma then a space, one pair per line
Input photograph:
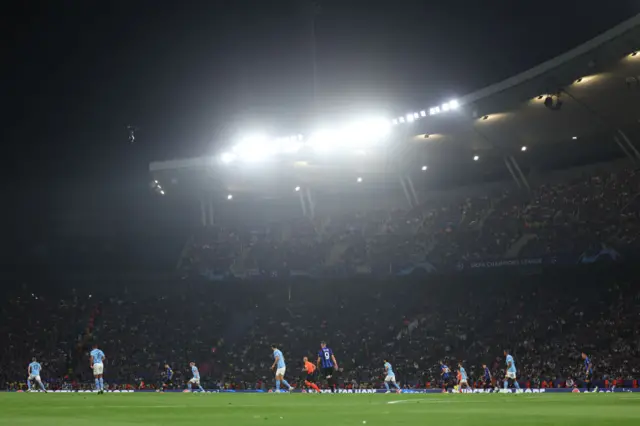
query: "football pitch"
318, 409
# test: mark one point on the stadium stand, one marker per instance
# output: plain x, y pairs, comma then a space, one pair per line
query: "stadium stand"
364, 252
547, 320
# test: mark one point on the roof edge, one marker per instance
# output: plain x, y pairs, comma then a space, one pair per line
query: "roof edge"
544, 67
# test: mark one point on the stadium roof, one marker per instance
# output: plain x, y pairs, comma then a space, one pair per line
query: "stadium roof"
597, 84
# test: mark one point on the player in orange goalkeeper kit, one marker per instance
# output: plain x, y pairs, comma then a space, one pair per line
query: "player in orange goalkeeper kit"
310, 381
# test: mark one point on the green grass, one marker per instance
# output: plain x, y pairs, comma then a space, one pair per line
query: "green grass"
312, 409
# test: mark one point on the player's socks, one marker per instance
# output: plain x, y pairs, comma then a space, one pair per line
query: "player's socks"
101, 383
284, 382
396, 385
201, 388
42, 386
189, 386
97, 384
313, 386
386, 385
28, 384
516, 384
277, 385
506, 384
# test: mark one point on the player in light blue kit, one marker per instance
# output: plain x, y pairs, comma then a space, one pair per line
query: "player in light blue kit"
280, 367
34, 374
390, 377
463, 378
196, 377
97, 358
510, 374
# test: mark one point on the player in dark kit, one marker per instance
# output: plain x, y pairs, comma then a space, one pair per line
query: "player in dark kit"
327, 364
168, 378
445, 373
588, 372
486, 376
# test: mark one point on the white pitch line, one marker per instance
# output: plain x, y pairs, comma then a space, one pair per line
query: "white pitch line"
434, 401
120, 406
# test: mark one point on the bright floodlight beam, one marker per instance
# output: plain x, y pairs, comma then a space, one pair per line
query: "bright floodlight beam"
424, 168
229, 197
476, 158
227, 157
255, 148
359, 180
297, 188
523, 149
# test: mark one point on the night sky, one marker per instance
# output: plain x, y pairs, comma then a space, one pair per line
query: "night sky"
195, 74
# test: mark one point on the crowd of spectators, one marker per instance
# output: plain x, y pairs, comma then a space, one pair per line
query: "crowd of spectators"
579, 217
227, 328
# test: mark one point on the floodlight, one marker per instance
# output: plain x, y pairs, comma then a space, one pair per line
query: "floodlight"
432, 111
297, 188
359, 179
255, 148
161, 192
574, 138
229, 197
476, 158
523, 149
424, 168
324, 140
454, 104
289, 145
423, 113
394, 121
401, 119
362, 133
226, 158
410, 118
445, 107
416, 115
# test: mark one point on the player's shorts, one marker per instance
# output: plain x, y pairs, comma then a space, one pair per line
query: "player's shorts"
168, 382
588, 376
390, 379
195, 380
35, 377
281, 371
98, 368
511, 375
464, 382
311, 378
327, 372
